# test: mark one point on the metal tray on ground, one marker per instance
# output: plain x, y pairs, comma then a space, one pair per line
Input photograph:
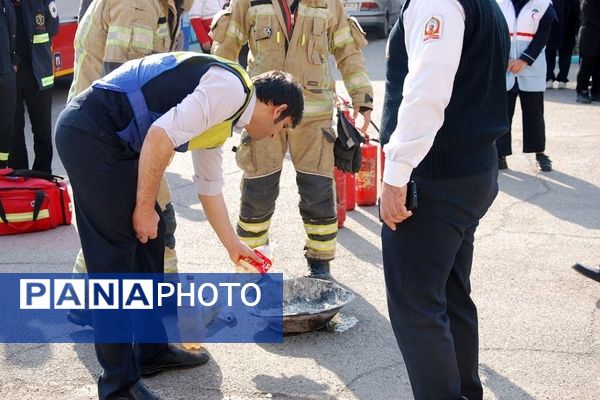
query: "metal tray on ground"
308, 303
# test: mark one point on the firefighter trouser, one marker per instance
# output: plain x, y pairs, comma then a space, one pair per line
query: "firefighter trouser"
168, 214
311, 149
39, 107
534, 129
103, 174
8, 105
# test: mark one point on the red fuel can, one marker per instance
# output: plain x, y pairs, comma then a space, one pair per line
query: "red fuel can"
366, 178
340, 189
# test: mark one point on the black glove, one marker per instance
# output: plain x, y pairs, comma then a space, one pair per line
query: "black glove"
346, 148
347, 159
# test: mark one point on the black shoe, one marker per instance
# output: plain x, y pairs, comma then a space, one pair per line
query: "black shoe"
138, 391
544, 162
595, 96
583, 97
318, 269
502, 164
588, 270
81, 317
174, 358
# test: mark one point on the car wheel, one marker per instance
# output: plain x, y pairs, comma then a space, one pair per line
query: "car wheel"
384, 30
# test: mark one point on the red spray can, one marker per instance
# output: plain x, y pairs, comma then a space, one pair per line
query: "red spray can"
340, 189
366, 178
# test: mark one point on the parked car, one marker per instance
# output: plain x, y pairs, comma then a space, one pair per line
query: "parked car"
375, 14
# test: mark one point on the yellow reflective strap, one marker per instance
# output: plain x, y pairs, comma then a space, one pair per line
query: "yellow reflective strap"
253, 242
356, 81
278, 37
321, 246
142, 38
342, 37
235, 31
3, 156
213, 137
255, 227
118, 36
41, 38
317, 108
313, 12
47, 81
26, 217
303, 39
312, 229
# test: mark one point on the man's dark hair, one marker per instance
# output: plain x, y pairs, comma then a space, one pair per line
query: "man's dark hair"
277, 88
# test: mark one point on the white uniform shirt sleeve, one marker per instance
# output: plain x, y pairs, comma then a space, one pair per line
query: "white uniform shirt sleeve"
432, 66
208, 171
218, 96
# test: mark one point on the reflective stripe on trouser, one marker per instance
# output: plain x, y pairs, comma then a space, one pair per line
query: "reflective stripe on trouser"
311, 150
164, 201
257, 207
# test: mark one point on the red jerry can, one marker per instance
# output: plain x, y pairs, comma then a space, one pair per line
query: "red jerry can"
340, 189
366, 178
350, 192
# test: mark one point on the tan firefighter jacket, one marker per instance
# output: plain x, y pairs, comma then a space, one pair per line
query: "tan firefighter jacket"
321, 27
116, 31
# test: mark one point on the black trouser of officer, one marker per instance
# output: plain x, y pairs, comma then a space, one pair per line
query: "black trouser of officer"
8, 91
103, 173
39, 107
427, 264
534, 128
564, 63
589, 68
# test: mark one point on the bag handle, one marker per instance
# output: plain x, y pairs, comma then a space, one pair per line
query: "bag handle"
37, 206
29, 173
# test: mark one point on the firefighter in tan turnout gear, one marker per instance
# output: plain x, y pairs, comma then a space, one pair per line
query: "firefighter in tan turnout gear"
110, 33
296, 37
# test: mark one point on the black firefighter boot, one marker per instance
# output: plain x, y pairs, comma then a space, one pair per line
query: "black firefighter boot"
318, 269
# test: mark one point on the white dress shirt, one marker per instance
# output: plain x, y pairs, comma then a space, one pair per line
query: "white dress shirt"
432, 66
218, 96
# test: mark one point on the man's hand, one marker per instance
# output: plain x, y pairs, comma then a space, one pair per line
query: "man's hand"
392, 208
145, 223
239, 249
366, 116
516, 66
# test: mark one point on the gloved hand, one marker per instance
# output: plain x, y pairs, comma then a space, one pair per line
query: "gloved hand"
346, 148
348, 160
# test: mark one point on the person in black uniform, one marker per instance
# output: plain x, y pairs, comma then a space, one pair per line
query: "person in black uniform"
562, 41
37, 23
451, 111
589, 51
8, 85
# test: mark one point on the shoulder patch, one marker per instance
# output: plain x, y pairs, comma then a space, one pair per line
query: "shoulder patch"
53, 10
433, 28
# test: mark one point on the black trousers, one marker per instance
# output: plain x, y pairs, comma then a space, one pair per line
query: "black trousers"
564, 63
39, 107
589, 68
103, 174
427, 265
8, 105
534, 128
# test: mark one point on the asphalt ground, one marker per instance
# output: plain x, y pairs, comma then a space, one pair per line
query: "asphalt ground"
539, 320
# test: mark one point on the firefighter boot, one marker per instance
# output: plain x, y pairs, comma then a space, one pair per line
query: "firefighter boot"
318, 269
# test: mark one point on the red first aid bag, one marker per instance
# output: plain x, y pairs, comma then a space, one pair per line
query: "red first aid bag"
32, 201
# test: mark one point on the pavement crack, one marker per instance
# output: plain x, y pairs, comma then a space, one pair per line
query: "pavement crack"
365, 373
